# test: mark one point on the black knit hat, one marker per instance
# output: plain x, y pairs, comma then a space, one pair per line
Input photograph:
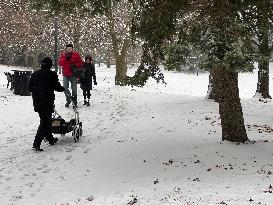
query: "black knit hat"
69, 45
46, 63
88, 57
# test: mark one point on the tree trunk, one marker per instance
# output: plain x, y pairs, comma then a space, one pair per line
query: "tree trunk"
230, 108
121, 70
211, 93
108, 59
121, 64
120, 51
36, 60
76, 35
263, 62
263, 79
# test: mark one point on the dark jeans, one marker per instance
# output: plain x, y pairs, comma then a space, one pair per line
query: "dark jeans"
86, 93
44, 129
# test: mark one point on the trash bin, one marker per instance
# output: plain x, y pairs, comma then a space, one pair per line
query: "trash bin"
21, 80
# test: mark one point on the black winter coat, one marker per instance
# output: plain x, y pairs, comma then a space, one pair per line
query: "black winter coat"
88, 74
42, 84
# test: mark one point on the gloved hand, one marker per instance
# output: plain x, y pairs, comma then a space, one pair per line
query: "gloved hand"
68, 56
95, 83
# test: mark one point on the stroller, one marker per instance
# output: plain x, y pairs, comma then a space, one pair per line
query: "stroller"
60, 126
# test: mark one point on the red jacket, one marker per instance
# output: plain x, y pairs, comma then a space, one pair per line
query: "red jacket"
67, 59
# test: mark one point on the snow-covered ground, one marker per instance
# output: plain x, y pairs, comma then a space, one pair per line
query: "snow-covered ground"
156, 145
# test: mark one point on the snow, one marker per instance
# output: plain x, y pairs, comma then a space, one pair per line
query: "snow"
160, 144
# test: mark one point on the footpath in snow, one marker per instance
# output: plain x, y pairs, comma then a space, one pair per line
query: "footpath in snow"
157, 145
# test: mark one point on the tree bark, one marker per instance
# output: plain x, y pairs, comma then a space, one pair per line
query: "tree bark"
211, 93
120, 51
76, 34
230, 108
121, 70
263, 62
36, 60
263, 79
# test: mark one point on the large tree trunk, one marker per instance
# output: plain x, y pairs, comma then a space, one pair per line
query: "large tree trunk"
230, 108
121, 70
76, 41
121, 65
263, 62
120, 52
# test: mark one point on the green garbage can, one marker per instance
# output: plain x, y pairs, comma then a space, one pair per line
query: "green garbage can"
21, 80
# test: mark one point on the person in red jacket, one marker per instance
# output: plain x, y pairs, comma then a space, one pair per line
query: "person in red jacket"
67, 60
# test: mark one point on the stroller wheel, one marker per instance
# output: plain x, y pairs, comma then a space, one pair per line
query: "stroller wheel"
76, 134
80, 129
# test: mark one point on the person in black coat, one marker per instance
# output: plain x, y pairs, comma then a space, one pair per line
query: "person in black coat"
88, 74
42, 84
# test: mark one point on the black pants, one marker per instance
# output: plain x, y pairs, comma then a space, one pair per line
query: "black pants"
86, 93
44, 129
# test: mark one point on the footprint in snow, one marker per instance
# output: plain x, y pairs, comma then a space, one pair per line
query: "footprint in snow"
11, 140
32, 194
41, 168
70, 149
16, 198
87, 150
30, 184
54, 159
68, 157
46, 171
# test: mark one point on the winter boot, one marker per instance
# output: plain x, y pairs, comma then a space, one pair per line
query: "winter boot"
67, 104
88, 103
84, 102
74, 100
37, 148
53, 140
75, 106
